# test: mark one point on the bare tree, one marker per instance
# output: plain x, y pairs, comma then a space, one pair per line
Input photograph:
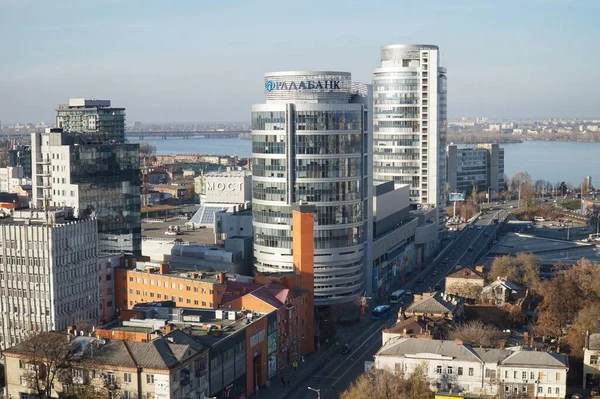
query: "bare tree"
48, 354
465, 290
478, 334
382, 384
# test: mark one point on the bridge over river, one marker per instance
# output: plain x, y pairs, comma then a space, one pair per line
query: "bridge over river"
186, 134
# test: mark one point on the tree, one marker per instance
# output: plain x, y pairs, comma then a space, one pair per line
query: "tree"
465, 290
585, 187
383, 384
478, 334
48, 355
593, 214
523, 270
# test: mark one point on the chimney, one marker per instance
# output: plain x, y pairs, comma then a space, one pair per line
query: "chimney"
458, 341
404, 331
164, 268
222, 278
479, 268
587, 340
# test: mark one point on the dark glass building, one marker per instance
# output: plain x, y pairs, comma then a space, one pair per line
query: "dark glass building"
20, 155
97, 179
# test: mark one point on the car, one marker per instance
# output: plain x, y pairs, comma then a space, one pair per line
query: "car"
408, 293
445, 260
511, 207
434, 273
170, 233
345, 349
479, 227
470, 226
437, 287
420, 280
470, 248
486, 234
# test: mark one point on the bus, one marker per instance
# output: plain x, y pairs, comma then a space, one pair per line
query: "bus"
380, 312
539, 219
397, 296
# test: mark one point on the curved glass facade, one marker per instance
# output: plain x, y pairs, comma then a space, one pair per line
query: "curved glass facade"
314, 153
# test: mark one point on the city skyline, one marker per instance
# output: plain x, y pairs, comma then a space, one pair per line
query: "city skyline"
134, 54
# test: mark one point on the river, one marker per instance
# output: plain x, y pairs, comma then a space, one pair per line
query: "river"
555, 161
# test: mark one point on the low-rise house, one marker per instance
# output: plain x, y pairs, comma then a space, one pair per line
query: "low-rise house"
160, 369
466, 283
591, 361
436, 305
454, 366
415, 327
501, 291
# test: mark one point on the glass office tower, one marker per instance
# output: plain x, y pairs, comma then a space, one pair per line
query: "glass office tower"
311, 143
95, 178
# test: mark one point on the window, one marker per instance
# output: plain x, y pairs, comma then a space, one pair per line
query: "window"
557, 391
594, 359
505, 373
111, 379
21, 364
540, 390
195, 289
460, 371
549, 389
24, 381
196, 302
515, 375
524, 375
149, 378
438, 369
449, 370
471, 371
532, 376
127, 395
557, 376
127, 377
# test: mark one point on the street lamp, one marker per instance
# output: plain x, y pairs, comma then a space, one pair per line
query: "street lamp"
318, 391
319, 334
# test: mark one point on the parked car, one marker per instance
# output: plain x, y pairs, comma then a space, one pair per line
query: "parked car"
470, 248
437, 287
445, 260
420, 280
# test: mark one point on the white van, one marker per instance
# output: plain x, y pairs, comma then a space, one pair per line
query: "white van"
539, 219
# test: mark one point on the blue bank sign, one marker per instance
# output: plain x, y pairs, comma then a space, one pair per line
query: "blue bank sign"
303, 85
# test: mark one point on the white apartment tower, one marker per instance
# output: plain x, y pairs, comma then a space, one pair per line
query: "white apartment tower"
47, 273
409, 121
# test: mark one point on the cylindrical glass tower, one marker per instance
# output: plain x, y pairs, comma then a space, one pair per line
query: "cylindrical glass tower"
310, 143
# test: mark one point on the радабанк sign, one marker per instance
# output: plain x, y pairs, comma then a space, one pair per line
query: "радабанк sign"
271, 85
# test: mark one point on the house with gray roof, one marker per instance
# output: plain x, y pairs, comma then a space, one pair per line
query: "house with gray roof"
502, 291
436, 305
454, 366
167, 367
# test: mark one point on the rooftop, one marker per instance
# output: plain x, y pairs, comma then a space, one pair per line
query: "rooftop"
433, 303
594, 342
418, 347
467, 273
151, 268
536, 358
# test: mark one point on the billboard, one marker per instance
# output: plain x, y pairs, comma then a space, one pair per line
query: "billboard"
457, 196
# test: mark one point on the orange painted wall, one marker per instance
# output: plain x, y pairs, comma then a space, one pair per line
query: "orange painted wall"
134, 287
262, 347
304, 263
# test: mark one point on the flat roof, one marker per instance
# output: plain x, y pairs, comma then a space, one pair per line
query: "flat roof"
184, 274
198, 236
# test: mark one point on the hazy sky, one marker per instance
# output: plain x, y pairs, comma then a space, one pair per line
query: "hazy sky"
203, 60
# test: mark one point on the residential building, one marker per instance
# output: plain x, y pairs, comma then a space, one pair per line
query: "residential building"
436, 305
20, 155
410, 121
465, 282
452, 365
11, 177
501, 291
415, 327
480, 166
95, 117
311, 143
169, 367
60, 254
97, 179
591, 361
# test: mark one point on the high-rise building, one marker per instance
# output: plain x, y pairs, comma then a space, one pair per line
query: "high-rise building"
20, 155
92, 116
311, 143
95, 178
409, 121
47, 274
480, 166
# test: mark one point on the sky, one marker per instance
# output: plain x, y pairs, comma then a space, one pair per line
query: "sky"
204, 60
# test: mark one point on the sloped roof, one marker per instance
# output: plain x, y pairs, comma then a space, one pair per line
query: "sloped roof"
437, 303
509, 285
412, 325
536, 358
467, 273
416, 346
492, 355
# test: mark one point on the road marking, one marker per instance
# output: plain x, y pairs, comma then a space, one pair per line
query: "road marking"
349, 368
